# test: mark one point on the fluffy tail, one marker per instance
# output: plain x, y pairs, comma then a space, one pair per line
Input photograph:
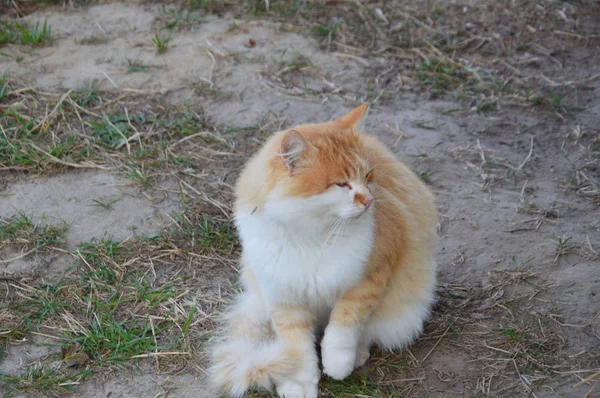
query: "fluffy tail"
248, 353
241, 364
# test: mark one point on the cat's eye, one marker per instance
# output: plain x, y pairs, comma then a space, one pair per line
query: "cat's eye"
343, 185
369, 175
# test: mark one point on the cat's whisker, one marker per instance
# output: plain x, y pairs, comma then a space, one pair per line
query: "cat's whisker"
342, 230
332, 231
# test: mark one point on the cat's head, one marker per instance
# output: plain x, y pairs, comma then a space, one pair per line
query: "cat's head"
322, 170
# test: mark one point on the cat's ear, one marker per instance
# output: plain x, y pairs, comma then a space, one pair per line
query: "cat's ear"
292, 148
355, 119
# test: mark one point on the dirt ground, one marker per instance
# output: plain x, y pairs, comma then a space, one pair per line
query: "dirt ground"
117, 164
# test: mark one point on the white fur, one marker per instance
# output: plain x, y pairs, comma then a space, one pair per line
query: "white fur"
399, 331
307, 249
339, 348
242, 357
311, 250
305, 383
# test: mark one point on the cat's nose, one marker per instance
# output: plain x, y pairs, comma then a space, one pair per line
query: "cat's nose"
363, 199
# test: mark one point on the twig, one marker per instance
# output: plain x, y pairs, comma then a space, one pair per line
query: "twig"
69, 164
481, 153
189, 137
523, 381
588, 379
159, 354
528, 155
212, 66
350, 56
402, 380
111, 80
417, 21
575, 35
434, 346
125, 141
10, 260
50, 116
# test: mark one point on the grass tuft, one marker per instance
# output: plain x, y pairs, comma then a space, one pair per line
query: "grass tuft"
37, 380
121, 302
20, 233
35, 35
161, 43
138, 66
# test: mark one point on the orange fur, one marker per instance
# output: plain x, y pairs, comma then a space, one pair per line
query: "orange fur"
400, 273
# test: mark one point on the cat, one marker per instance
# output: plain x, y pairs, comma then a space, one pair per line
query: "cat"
338, 239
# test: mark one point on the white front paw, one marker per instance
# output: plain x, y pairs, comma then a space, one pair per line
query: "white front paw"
338, 363
338, 351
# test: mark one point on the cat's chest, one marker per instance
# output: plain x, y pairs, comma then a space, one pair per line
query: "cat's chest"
315, 268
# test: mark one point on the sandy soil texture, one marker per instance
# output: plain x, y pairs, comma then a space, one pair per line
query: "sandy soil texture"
118, 162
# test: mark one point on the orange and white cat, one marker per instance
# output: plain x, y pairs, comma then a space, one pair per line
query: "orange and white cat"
338, 240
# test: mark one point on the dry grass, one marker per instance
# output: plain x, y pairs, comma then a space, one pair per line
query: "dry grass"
137, 302
121, 302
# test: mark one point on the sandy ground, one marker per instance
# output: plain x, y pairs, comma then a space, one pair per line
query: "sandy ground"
494, 221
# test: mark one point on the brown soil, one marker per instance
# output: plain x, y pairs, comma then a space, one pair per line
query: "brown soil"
517, 186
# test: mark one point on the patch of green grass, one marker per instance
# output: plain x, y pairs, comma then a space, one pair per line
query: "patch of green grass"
43, 301
161, 43
512, 334
38, 381
532, 343
4, 87
356, 386
182, 18
119, 303
112, 131
558, 100
564, 246
21, 231
35, 35
482, 89
104, 205
205, 234
88, 96
9, 32
189, 122
425, 177
22, 143
100, 248
138, 173
328, 32
184, 124
107, 339
441, 77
